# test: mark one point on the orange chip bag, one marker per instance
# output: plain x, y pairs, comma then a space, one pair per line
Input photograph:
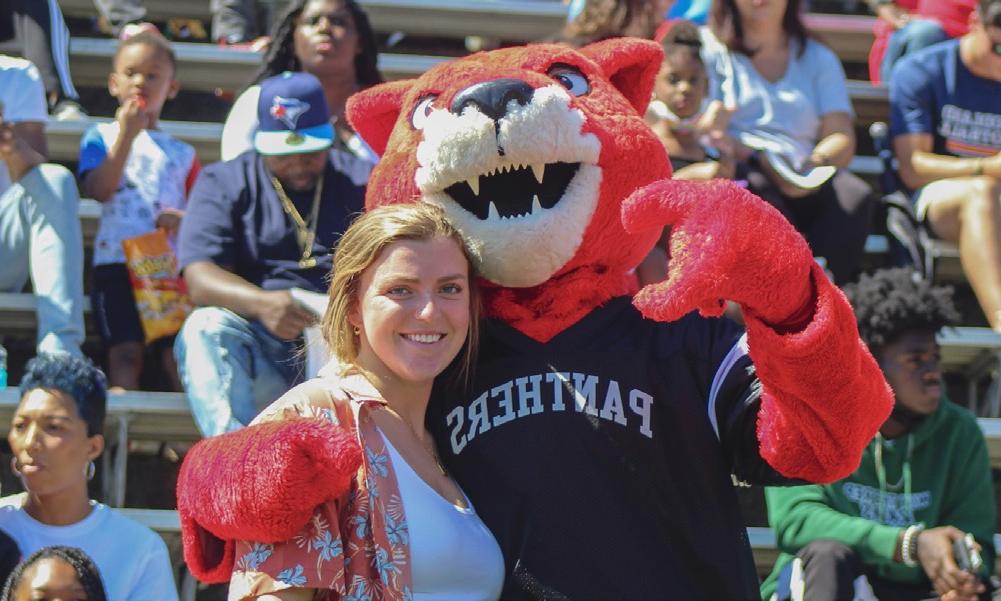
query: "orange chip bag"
161, 296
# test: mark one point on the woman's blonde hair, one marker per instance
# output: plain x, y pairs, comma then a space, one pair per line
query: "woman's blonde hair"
361, 245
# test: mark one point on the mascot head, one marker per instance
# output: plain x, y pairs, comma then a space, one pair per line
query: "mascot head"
530, 151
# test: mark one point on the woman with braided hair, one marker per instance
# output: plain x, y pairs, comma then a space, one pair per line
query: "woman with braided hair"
333, 40
55, 573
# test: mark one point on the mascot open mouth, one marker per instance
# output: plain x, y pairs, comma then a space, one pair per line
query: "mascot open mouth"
522, 188
514, 190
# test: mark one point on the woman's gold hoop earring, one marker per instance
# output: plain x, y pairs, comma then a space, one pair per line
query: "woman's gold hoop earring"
357, 331
13, 467
90, 470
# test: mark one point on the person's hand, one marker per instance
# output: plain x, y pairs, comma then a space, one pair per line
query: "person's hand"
937, 561
893, 14
170, 220
282, 315
132, 117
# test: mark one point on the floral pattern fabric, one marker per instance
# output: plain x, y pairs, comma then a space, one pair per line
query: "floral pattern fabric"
355, 548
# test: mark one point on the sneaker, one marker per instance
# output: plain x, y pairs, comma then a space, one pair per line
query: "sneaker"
69, 110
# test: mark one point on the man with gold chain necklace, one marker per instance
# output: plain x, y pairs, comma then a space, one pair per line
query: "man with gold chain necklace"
258, 227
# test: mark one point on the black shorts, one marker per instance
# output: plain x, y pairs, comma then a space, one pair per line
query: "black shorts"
114, 306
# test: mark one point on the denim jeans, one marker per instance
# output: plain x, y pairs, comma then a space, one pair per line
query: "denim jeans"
232, 368
917, 34
40, 237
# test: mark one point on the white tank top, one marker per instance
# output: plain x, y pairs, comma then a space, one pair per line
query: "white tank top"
453, 556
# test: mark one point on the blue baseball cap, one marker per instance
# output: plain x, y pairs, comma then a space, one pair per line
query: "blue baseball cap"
292, 116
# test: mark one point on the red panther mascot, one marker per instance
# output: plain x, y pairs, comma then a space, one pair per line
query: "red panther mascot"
600, 436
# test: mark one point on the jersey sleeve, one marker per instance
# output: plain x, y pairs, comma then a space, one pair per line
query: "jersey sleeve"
733, 404
911, 99
208, 230
93, 151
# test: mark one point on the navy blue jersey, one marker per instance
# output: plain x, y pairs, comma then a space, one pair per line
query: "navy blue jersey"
602, 460
235, 220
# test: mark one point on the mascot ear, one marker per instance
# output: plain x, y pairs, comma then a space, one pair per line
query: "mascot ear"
373, 112
631, 64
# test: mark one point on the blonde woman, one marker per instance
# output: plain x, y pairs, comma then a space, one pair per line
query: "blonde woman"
403, 308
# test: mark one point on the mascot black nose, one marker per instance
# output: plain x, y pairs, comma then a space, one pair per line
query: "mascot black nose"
492, 97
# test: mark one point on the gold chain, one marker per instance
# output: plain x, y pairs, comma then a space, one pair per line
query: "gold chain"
305, 232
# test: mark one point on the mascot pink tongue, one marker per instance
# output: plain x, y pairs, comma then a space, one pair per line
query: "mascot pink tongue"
598, 440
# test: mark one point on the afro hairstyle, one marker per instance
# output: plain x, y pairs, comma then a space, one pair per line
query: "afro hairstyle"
891, 302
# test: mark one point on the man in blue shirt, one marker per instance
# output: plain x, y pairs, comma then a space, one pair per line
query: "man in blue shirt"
256, 228
946, 127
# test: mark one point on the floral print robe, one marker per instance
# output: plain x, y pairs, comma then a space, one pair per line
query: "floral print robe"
355, 548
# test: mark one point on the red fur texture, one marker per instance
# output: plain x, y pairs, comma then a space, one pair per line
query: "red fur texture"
260, 483
824, 396
621, 74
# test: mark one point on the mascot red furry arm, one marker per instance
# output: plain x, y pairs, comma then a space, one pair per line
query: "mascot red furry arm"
823, 394
576, 179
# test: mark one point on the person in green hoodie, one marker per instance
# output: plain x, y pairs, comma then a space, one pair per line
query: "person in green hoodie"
887, 531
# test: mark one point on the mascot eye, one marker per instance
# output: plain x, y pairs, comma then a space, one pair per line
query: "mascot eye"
422, 111
571, 79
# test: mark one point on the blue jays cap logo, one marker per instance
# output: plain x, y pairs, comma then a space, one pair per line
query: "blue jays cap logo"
288, 110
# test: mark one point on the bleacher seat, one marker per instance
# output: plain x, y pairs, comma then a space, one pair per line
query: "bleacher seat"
511, 20
205, 67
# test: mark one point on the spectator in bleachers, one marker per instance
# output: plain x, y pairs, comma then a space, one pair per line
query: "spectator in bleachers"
55, 438
142, 176
945, 121
691, 127
333, 40
681, 114
923, 483
789, 102
55, 573
906, 26
39, 213
259, 227
37, 31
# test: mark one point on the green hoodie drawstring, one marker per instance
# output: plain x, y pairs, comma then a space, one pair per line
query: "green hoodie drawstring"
881, 475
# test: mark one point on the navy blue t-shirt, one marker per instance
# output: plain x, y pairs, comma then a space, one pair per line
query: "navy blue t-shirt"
236, 220
932, 92
601, 460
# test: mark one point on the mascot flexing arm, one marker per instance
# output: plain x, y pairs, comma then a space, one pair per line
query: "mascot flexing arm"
600, 436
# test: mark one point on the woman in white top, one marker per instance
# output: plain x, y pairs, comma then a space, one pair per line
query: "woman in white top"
403, 309
331, 39
55, 437
790, 106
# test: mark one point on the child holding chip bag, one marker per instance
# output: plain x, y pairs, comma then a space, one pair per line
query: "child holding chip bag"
142, 177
